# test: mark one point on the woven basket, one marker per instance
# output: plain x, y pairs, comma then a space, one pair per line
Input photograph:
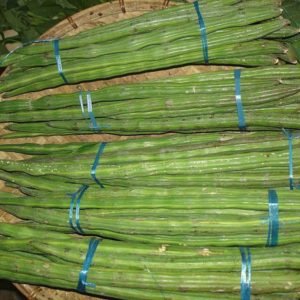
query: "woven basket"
97, 15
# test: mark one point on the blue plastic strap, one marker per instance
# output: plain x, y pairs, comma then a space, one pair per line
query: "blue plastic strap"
73, 197
238, 100
58, 60
90, 111
82, 280
245, 273
76, 196
273, 230
96, 163
202, 31
81, 103
290, 137
77, 210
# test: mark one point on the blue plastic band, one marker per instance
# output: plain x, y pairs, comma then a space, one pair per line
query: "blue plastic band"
202, 31
81, 103
58, 60
73, 197
94, 124
71, 213
290, 137
245, 274
96, 163
77, 211
238, 100
76, 196
90, 114
82, 280
273, 231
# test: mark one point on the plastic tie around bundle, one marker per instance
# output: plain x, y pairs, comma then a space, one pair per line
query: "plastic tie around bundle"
76, 197
290, 138
90, 113
82, 280
202, 31
238, 100
245, 273
273, 231
58, 60
96, 163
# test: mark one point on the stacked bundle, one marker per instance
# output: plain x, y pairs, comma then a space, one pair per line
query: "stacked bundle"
199, 102
223, 217
252, 160
166, 214
232, 32
138, 271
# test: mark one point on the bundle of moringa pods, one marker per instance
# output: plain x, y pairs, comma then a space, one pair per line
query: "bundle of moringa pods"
180, 216
245, 160
160, 217
125, 270
258, 98
227, 32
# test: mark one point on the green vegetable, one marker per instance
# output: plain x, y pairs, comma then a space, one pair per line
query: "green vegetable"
184, 216
137, 271
156, 40
250, 160
193, 103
